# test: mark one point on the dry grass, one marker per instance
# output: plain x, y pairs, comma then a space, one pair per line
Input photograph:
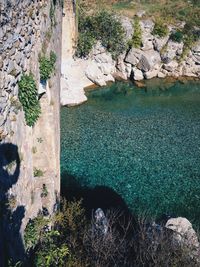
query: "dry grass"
171, 10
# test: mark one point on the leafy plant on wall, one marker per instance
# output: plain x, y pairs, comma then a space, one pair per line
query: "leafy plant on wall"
28, 97
47, 66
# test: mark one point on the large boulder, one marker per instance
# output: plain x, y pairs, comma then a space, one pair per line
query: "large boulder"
151, 74
71, 95
184, 234
173, 49
121, 69
145, 60
101, 222
171, 66
94, 74
148, 60
133, 56
159, 43
137, 74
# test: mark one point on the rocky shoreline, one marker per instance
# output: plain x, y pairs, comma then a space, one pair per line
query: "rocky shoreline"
157, 57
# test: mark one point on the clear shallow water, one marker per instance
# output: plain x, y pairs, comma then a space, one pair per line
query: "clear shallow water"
143, 143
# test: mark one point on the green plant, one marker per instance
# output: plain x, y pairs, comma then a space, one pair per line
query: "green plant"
18, 264
44, 191
85, 43
34, 230
51, 252
177, 36
47, 66
9, 166
34, 149
32, 197
52, 13
137, 35
37, 172
160, 29
103, 27
29, 99
11, 202
40, 140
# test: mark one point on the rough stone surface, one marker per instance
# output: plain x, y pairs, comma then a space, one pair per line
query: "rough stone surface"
137, 74
24, 28
184, 234
148, 60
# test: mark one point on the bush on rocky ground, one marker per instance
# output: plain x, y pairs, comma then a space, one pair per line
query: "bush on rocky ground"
104, 27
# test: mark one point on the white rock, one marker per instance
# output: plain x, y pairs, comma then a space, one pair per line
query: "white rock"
133, 56
184, 234
128, 27
106, 68
94, 74
159, 43
137, 75
148, 60
109, 78
71, 96
171, 66
161, 74
151, 74
42, 88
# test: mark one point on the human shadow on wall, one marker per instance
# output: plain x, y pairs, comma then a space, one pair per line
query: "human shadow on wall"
11, 244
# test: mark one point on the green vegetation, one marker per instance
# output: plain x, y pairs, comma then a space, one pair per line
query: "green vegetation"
74, 241
11, 202
51, 252
33, 231
52, 13
37, 172
44, 191
177, 36
160, 29
47, 66
103, 27
137, 35
28, 97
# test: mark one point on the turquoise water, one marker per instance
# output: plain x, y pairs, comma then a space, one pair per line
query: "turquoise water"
143, 143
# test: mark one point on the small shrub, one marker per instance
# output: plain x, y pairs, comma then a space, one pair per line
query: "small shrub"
33, 231
160, 29
34, 149
44, 191
47, 66
137, 35
37, 172
85, 44
11, 202
51, 252
40, 140
28, 97
32, 197
177, 36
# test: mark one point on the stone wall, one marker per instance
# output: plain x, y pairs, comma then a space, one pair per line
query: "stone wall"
28, 27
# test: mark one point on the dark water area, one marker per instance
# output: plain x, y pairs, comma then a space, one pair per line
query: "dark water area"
134, 147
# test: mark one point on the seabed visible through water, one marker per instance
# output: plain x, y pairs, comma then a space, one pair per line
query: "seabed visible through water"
142, 143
